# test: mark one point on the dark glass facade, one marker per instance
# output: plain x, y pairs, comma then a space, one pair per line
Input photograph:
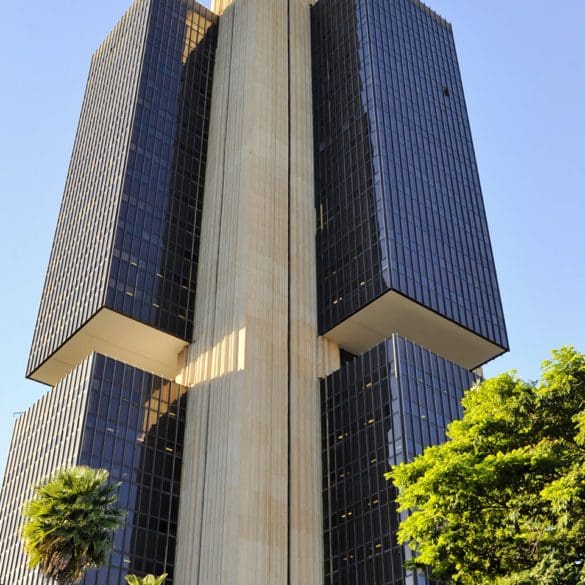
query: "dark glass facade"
399, 203
154, 267
79, 262
108, 415
128, 231
127, 240
382, 408
46, 437
399, 210
134, 427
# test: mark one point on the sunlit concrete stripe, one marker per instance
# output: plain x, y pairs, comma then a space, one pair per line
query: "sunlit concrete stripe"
218, 6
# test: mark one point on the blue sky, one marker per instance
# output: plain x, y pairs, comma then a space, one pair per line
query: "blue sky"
524, 77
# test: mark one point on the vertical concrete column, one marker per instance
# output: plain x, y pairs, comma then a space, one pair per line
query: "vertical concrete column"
234, 504
306, 523
251, 487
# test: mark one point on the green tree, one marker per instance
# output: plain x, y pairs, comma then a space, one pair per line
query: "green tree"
503, 500
68, 523
148, 580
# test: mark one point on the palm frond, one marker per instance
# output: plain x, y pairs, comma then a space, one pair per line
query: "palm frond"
68, 523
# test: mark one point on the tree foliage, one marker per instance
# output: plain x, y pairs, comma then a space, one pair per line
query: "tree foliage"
503, 500
68, 523
147, 580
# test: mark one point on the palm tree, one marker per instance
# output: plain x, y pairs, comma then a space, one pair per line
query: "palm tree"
148, 580
68, 523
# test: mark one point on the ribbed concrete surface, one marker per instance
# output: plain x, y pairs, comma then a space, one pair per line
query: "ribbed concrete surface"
251, 505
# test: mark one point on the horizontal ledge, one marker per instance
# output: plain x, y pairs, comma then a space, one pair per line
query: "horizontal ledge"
119, 337
394, 313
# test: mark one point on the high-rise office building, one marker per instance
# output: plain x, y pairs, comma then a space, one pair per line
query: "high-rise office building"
271, 279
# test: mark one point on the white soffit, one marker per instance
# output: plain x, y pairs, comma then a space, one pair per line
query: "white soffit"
119, 337
394, 313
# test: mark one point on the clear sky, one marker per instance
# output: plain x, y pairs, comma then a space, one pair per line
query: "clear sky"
523, 69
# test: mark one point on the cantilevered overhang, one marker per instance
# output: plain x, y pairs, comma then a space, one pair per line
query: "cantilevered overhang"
394, 313
119, 337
